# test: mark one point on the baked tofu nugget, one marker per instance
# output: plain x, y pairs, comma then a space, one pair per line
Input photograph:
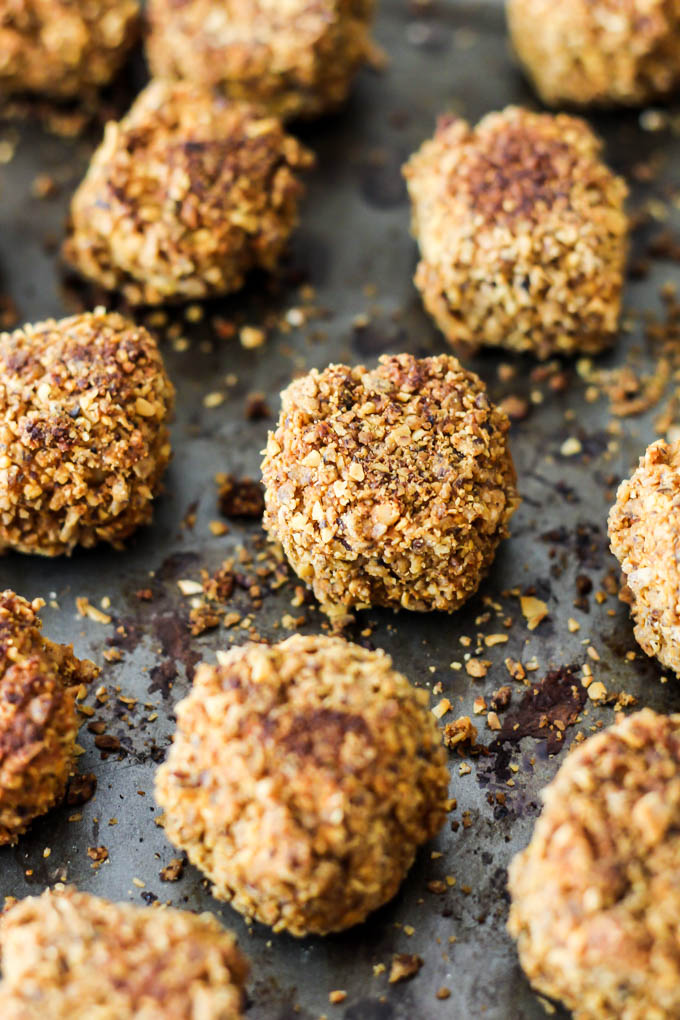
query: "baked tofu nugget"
522, 233
302, 779
38, 718
67, 955
84, 442
184, 196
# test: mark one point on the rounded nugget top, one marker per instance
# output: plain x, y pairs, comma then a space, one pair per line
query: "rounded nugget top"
67, 955
38, 721
599, 52
184, 196
301, 780
63, 47
522, 233
644, 532
595, 896
390, 486
83, 437
292, 57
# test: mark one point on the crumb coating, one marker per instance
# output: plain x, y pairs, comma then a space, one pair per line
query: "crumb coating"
185, 195
67, 955
644, 535
598, 52
64, 48
83, 436
522, 233
302, 779
391, 486
596, 894
291, 57
38, 720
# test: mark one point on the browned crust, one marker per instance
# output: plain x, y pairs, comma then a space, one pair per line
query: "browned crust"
64, 48
293, 58
595, 896
598, 52
522, 233
302, 779
391, 486
83, 437
38, 721
67, 955
184, 196
644, 532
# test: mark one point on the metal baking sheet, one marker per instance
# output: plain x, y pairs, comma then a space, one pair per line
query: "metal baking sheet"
354, 248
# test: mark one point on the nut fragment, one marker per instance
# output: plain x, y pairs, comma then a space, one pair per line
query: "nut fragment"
302, 779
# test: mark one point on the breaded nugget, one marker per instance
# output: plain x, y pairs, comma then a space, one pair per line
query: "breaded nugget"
84, 404
292, 57
302, 779
391, 486
185, 196
63, 48
522, 233
596, 894
598, 52
67, 955
644, 532
38, 719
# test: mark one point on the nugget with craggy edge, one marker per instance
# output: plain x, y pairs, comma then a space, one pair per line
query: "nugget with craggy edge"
184, 196
644, 533
64, 48
596, 894
291, 57
68, 955
84, 405
302, 779
390, 486
38, 719
522, 233
598, 52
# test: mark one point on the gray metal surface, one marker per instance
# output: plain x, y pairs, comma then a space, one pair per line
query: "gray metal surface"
354, 232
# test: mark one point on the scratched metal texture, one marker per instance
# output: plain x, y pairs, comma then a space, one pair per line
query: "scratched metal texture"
354, 231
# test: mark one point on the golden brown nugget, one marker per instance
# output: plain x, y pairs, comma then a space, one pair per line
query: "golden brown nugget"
302, 779
67, 955
596, 894
522, 233
598, 52
185, 195
84, 442
644, 532
291, 57
64, 48
389, 487
38, 719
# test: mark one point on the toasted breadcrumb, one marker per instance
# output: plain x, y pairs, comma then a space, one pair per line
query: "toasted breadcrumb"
302, 779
